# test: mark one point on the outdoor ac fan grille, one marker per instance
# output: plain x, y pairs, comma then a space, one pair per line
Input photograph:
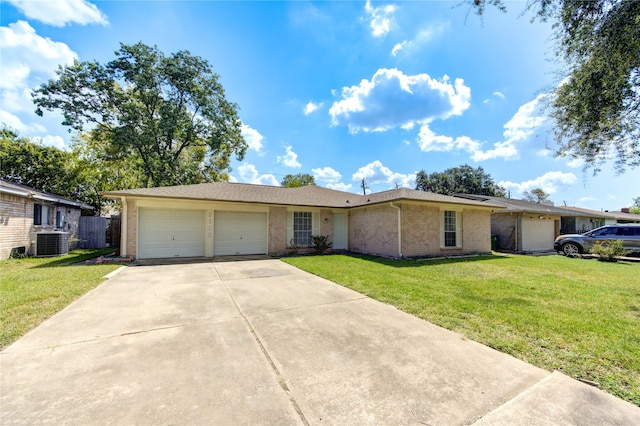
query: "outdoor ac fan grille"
52, 244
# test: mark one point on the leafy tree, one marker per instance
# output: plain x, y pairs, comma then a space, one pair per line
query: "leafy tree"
33, 164
635, 208
536, 195
297, 180
596, 108
463, 180
47, 168
168, 113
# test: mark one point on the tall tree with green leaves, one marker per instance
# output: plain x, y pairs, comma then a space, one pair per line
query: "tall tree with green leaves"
536, 195
168, 113
297, 180
32, 164
596, 106
462, 180
66, 173
635, 208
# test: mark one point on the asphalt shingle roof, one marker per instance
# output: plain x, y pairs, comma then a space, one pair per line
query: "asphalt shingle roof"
304, 196
29, 192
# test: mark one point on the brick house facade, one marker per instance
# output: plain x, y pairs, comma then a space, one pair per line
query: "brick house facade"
254, 219
25, 211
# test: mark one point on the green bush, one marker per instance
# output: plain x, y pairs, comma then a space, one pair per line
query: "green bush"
609, 250
321, 243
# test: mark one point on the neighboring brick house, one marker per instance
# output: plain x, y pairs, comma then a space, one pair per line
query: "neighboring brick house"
223, 218
25, 211
523, 226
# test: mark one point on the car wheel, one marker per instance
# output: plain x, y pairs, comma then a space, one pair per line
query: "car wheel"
571, 249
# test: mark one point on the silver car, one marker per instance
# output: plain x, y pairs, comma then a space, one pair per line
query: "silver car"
571, 244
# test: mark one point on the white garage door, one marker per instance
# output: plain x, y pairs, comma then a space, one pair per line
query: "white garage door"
239, 233
170, 233
537, 234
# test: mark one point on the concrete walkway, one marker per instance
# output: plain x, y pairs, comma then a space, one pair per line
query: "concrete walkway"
261, 342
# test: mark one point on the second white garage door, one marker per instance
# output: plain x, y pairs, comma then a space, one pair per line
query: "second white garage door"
239, 233
537, 234
170, 233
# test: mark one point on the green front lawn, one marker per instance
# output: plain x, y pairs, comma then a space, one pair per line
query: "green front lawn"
33, 289
581, 317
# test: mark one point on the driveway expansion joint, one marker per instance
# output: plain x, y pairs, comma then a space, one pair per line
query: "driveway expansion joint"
280, 378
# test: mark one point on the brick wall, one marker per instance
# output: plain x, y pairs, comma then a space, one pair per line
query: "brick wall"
476, 231
420, 230
277, 230
326, 223
16, 223
132, 229
374, 230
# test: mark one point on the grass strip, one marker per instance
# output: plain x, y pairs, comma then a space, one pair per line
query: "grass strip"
34, 289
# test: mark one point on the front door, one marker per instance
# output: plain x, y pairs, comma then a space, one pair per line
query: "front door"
339, 231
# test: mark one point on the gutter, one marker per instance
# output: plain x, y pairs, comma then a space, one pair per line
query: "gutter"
399, 227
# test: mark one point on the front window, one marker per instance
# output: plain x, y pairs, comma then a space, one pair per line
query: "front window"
302, 227
450, 229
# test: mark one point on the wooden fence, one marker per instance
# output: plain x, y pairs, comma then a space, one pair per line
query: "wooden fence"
92, 232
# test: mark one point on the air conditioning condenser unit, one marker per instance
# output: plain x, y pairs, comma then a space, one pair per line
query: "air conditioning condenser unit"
51, 244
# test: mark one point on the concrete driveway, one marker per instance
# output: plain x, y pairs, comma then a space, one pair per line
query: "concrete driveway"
261, 342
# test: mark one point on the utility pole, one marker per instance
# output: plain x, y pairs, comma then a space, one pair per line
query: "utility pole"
363, 185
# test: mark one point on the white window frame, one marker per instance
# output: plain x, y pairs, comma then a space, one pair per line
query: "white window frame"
445, 228
302, 228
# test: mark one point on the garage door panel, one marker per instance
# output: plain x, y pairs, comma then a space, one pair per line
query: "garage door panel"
538, 234
170, 233
237, 233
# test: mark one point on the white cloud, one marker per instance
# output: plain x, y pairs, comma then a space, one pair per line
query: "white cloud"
339, 186
311, 107
393, 99
249, 174
290, 159
398, 47
25, 53
376, 173
61, 12
525, 121
55, 141
424, 36
253, 137
550, 183
519, 128
429, 141
499, 95
326, 174
576, 163
380, 18
27, 61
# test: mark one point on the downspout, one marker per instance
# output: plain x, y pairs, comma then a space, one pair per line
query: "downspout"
517, 230
399, 227
123, 227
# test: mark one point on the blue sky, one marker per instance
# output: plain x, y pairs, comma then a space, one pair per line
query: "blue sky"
340, 90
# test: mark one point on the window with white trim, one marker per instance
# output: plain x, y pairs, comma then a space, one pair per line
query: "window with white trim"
451, 229
302, 228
